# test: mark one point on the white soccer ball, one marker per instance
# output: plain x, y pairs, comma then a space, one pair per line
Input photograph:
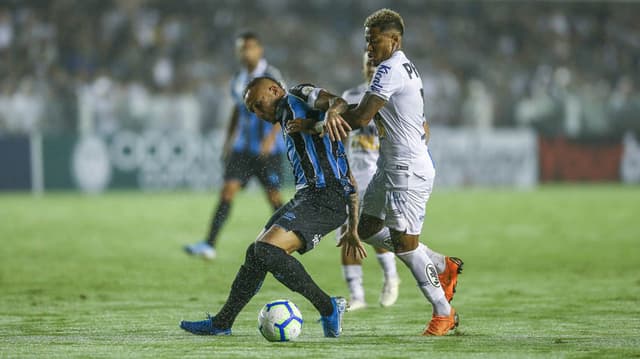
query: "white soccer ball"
280, 321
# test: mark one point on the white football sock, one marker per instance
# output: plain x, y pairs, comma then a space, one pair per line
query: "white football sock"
353, 276
388, 263
437, 258
382, 239
426, 275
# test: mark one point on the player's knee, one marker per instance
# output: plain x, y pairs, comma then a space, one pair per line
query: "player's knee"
229, 191
267, 253
404, 242
367, 229
227, 196
251, 259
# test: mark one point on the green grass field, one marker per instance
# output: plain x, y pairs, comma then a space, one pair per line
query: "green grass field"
553, 272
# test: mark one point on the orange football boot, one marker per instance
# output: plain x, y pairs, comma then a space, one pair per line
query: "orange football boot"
441, 324
449, 278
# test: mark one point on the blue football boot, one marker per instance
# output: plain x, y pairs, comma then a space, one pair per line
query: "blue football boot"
332, 324
203, 327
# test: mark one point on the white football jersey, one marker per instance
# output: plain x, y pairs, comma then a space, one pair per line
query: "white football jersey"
362, 145
403, 151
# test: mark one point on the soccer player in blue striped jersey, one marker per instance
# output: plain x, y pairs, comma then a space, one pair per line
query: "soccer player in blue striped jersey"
325, 197
252, 147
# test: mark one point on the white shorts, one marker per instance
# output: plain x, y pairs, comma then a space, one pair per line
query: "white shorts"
402, 210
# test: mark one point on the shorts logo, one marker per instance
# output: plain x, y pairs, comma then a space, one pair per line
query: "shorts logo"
316, 239
432, 275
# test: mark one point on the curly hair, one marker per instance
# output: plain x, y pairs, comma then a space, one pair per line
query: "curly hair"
385, 19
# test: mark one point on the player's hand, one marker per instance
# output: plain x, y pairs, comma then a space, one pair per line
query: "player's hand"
336, 126
304, 125
353, 246
294, 126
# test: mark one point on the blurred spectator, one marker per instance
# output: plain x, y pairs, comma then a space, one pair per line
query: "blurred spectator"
102, 65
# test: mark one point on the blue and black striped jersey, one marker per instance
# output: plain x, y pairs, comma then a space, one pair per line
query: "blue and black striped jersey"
317, 161
251, 130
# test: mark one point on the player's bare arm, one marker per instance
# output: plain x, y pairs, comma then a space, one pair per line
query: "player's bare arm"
270, 140
350, 239
427, 131
337, 123
304, 125
231, 132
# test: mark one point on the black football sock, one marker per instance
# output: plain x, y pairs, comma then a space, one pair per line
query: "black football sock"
222, 212
290, 272
247, 283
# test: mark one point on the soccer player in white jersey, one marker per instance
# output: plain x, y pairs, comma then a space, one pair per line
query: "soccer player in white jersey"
394, 203
362, 148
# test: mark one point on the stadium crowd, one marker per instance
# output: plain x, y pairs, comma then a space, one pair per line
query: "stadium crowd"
98, 66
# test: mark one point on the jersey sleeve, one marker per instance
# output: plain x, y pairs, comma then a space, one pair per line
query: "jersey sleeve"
386, 81
298, 108
307, 92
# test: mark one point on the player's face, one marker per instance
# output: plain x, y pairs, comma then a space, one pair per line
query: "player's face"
262, 100
368, 70
380, 45
248, 51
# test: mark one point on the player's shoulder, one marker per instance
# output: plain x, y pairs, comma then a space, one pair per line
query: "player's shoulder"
296, 102
396, 60
302, 90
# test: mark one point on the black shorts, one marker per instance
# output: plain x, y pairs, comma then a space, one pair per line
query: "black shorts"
242, 166
311, 214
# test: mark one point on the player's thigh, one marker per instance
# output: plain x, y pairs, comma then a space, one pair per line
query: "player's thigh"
281, 238
405, 210
239, 168
268, 169
369, 225
311, 215
374, 199
229, 189
403, 242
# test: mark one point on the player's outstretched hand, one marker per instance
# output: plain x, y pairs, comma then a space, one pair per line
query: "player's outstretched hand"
353, 245
294, 126
336, 126
306, 126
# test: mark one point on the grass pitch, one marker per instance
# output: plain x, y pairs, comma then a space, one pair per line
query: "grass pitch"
553, 272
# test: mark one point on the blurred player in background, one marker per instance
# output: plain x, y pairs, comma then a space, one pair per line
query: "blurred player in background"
252, 147
324, 189
395, 201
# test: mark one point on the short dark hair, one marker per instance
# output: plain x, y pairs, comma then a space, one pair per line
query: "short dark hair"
385, 19
248, 35
256, 81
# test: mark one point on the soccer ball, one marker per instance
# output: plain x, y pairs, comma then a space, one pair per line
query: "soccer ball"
280, 321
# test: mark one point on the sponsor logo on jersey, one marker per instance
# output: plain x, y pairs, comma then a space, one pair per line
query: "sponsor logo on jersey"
382, 70
306, 90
